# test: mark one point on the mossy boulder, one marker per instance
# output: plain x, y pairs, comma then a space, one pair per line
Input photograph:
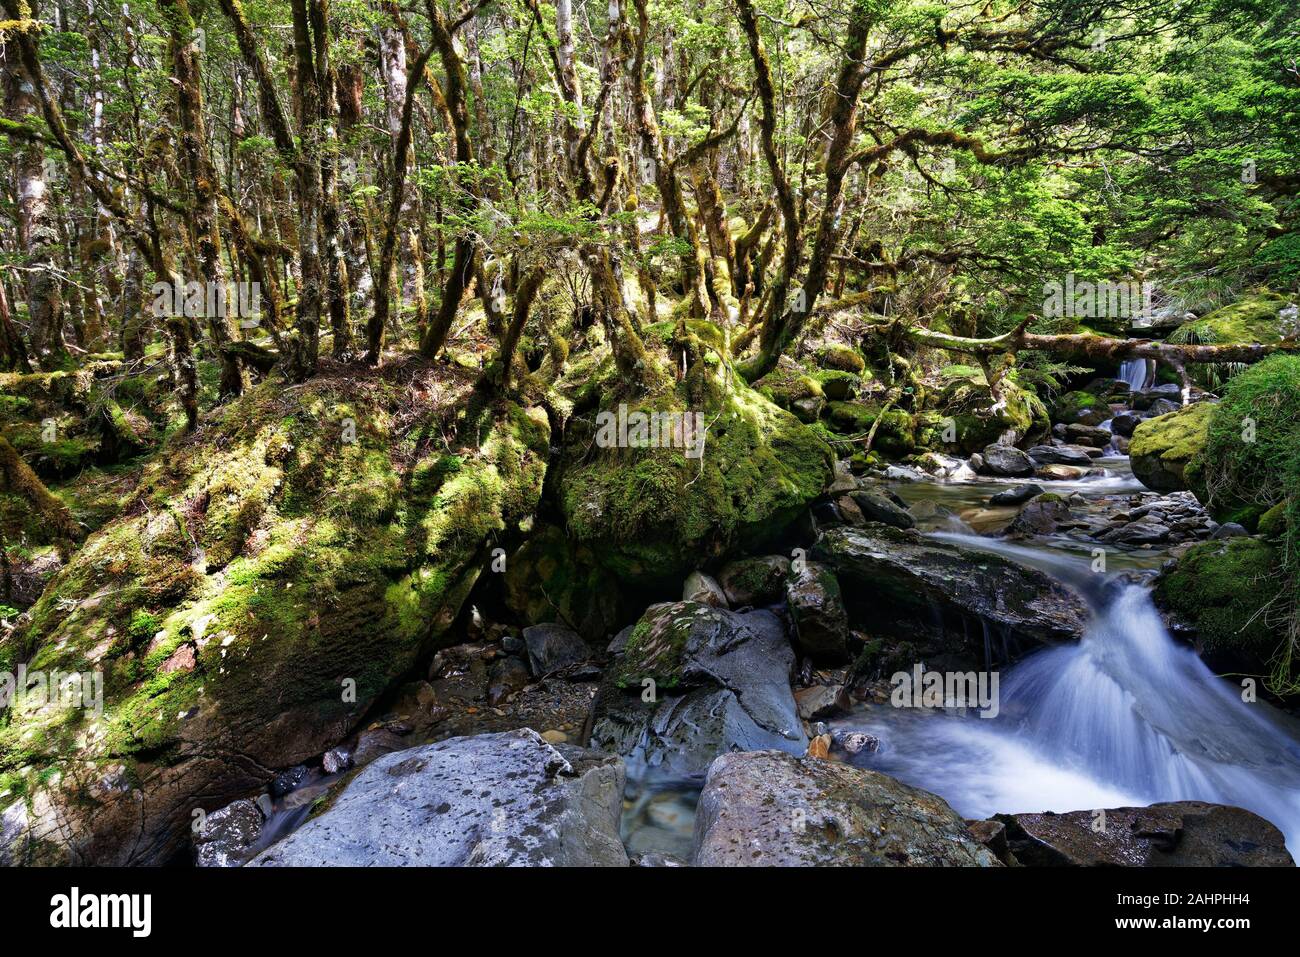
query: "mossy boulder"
1251, 457
967, 418
1253, 318
1082, 407
274, 573
834, 355
1161, 448
789, 383
1226, 592
896, 434
654, 513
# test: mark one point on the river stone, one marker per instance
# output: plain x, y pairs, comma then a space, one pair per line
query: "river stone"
818, 702
228, 835
704, 589
1007, 460
895, 576
772, 809
1060, 473
1124, 423
1145, 398
1060, 455
553, 646
481, 801
1174, 834
1090, 435
507, 676
1043, 515
1016, 495
754, 581
720, 682
877, 507
1163, 407
821, 624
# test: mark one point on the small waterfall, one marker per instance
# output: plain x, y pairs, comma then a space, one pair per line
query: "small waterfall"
1136, 372
1124, 717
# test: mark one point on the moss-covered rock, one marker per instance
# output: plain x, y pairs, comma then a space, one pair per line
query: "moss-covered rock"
833, 355
967, 418
896, 434
654, 513
274, 573
1223, 590
1161, 448
1082, 407
1252, 318
1251, 458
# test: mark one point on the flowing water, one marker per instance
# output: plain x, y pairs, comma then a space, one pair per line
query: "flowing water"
1136, 372
1124, 717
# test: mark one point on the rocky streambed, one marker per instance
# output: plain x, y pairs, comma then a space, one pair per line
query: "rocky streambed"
754, 721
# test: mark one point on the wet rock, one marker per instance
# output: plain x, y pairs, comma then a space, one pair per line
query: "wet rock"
821, 624
485, 800
771, 809
1043, 515
505, 678
1060, 473
287, 781
1016, 495
1121, 444
822, 701
227, 836
335, 760
754, 581
1124, 423
855, 742
1137, 533
1060, 455
849, 511
1143, 399
1175, 834
1229, 530
704, 589
993, 835
552, 647
1007, 460
1089, 435
898, 577
694, 682
877, 507
1163, 407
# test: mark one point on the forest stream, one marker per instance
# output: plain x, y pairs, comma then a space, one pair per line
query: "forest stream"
1125, 717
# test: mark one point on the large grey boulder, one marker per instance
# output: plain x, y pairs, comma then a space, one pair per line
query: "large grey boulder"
692, 682
1174, 834
890, 575
1007, 460
1075, 455
772, 809
484, 800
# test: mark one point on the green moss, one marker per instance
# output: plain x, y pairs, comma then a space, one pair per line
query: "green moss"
1253, 318
832, 355
1222, 589
1162, 448
653, 514
288, 558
